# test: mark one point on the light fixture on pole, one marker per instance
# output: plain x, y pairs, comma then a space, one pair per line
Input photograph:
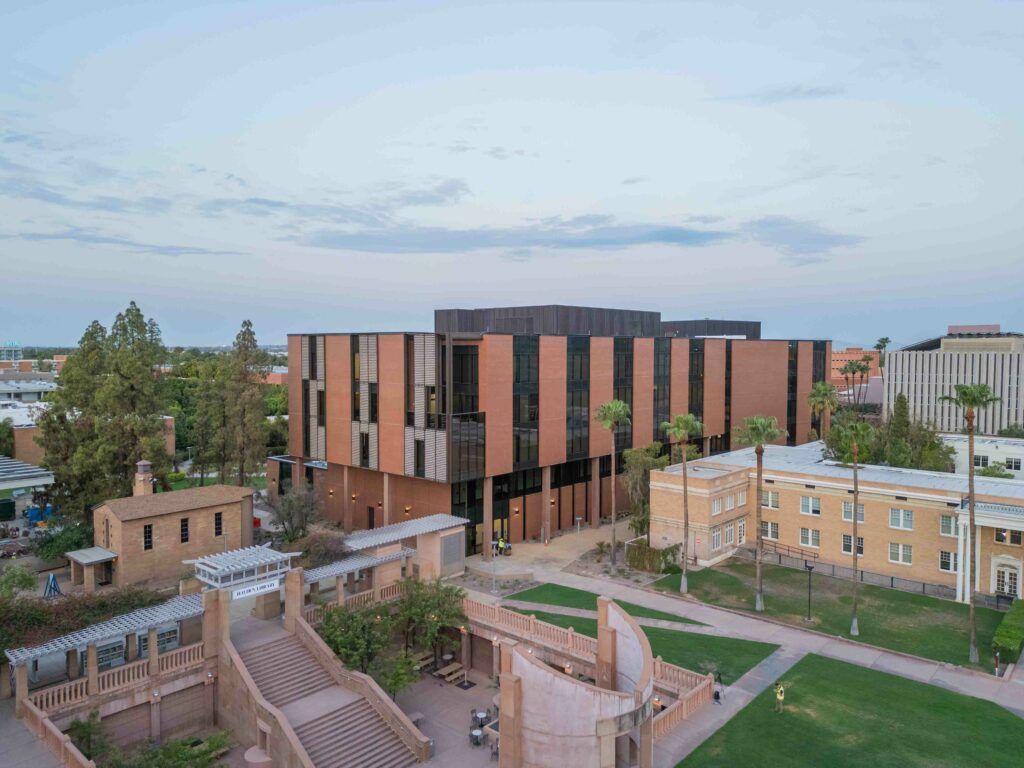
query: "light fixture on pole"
809, 568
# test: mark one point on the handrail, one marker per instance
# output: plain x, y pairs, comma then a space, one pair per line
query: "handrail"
683, 707
785, 549
366, 686
125, 675
57, 696
59, 744
272, 712
180, 658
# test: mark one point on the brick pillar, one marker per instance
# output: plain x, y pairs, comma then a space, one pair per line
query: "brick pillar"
71, 664
545, 504
131, 645
211, 623
20, 689
387, 499
294, 586
488, 517
339, 588
154, 719
595, 492
92, 669
154, 653
510, 718
90, 579
314, 592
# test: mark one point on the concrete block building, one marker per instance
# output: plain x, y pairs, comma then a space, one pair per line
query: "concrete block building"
491, 416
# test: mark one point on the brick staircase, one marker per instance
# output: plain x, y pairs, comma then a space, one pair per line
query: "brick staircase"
353, 735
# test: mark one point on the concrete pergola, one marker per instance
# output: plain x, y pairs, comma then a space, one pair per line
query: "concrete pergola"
238, 567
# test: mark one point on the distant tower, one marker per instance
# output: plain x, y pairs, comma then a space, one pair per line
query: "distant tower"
10, 352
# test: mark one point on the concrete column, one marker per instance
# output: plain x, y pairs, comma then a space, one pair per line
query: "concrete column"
211, 623
5, 681
495, 661
131, 646
387, 499
545, 504
646, 756
154, 653
350, 503
510, 721
294, 586
154, 719
92, 669
605, 666
467, 649
488, 517
606, 743
314, 592
268, 605
339, 588
595, 492
90, 579
20, 689
976, 533
961, 563
71, 664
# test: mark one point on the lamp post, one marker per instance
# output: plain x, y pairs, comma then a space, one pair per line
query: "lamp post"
810, 569
578, 519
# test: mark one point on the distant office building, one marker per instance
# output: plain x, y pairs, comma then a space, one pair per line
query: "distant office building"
988, 451
491, 417
926, 371
10, 352
841, 357
26, 391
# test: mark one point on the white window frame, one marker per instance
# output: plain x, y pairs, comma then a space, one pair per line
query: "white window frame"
952, 526
904, 553
810, 505
848, 537
741, 532
716, 539
980, 461
904, 518
741, 498
1015, 467
848, 512
730, 503
767, 535
716, 506
951, 558
770, 499
730, 535
813, 535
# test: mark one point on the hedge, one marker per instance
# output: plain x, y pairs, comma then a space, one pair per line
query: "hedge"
645, 558
1008, 640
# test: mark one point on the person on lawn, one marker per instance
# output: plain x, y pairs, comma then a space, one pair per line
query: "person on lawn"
780, 696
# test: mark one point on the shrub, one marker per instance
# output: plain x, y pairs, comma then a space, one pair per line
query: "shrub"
1008, 639
53, 544
175, 477
645, 558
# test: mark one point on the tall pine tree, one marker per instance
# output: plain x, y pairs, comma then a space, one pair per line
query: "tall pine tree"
247, 367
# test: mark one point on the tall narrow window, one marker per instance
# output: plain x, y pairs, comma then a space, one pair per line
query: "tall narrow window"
373, 402
420, 468
147, 537
184, 530
218, 524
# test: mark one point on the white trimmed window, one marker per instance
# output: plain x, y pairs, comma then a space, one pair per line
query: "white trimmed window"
901, 518
730, 503
810, 537
1013, 465
947, 525
980, 461
741, 498
716, 506
769, 530
1006, 536
730, 534
901, 553
848, 545
716, 539
848, 512
741, 532
770, 499
947, 562
810, 505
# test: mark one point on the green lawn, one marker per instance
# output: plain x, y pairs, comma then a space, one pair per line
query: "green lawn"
840, 715
258, 482
911, 623
568, 597
700, 653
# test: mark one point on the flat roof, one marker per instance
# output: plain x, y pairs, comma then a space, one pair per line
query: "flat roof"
176, 609
352, 564
808, 459
389, 534
91, 555
18, 474
241, 559
171, 502
978, 439
31, 385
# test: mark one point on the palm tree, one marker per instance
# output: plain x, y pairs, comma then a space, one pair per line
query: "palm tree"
848, 371
756, 431
882, 344
823, 399
855, 435
970, 398
682, 427
610, 415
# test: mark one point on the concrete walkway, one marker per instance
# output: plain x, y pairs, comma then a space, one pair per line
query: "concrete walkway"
19, 747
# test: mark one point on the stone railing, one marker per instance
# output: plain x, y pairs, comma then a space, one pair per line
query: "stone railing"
58, 743
670, 677
58, 696
367, 687
181, 658
529, 628
314, 612
359, 599
124, 676
684, 706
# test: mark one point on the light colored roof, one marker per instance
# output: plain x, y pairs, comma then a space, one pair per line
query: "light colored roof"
175, 609
353, 563
808, 459
241, 559
171, 502
1009, 442
21, 414
32, 385
91, 555
389, 534
1003, 510
18, 474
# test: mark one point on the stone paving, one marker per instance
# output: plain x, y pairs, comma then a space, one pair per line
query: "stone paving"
19, 748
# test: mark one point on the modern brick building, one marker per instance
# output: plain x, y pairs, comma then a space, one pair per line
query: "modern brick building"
491, 416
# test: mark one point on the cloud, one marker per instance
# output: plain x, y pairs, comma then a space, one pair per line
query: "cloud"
495, 152
803, 242
24, 188
501, 153
592, 231
794, 93
634, 179
92, 237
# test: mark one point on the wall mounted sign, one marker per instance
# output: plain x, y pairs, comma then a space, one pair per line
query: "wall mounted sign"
255, 589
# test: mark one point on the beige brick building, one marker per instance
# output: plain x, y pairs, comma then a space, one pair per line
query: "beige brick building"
144, 538
913, 525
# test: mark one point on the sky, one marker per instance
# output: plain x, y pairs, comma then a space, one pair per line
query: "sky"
835, 170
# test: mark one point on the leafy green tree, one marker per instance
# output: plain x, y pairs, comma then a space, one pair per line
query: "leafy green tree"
681, 428
107, 415
443, 611
1014, 430
17, 578
824, 401
410, 610
970, 398
996, 469
396, 673
6, 437
357, 635
296, 510
758, 431
247, 369
179, 753
611, 415
56, 542
275, 400
850, 434
209, 427
638, 464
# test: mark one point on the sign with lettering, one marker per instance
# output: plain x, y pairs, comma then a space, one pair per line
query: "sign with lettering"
256, 589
